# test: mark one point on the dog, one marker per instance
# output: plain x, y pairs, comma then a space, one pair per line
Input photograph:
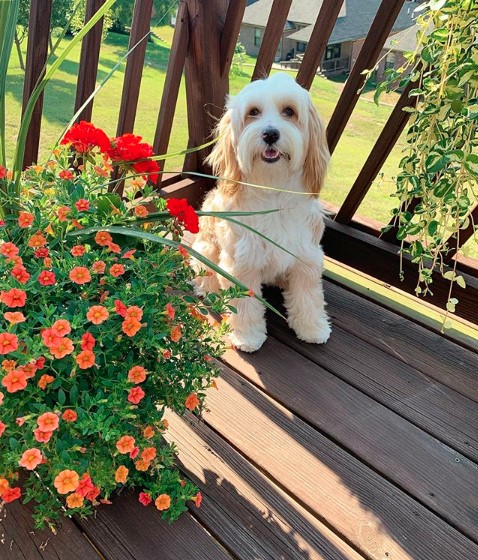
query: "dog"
270, 135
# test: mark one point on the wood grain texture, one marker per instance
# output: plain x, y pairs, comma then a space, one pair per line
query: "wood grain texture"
435, 474
37, 53
364, 508
379, 31
243, 508
89, 57
134, 65
127, 530
230, 34
323, 27
379, 154
425, 350
19, 540
270, 40
381, 260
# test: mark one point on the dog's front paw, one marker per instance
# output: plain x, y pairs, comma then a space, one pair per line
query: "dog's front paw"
247, 342
205, 284
317, 332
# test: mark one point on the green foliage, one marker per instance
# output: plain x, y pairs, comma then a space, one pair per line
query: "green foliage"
437, 185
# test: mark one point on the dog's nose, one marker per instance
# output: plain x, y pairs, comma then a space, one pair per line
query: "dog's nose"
270, 135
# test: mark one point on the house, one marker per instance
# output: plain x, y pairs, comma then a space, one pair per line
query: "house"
344, 44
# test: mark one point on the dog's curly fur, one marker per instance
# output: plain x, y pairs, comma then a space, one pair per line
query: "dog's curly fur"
270, 135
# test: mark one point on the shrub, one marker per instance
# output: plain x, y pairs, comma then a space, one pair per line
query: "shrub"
98, 334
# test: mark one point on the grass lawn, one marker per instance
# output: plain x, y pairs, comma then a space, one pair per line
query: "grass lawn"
358, 139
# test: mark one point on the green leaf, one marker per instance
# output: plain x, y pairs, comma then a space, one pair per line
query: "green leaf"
74, 394
14, 443
437, 4
460, 281
436, 162
433, 227
61, 396
471, 164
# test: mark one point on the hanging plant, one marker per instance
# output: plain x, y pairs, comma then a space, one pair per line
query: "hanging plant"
437, 184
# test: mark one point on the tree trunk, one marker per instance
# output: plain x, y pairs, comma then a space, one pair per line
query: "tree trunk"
19, 51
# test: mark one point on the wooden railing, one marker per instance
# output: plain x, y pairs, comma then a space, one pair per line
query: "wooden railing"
203, 45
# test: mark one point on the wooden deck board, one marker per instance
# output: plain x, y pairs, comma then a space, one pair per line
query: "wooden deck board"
378, 436
243, 508
19, 540
362, 506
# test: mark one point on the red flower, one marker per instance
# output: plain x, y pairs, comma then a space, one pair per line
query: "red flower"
80, 275
19, 272
88, 341
8, 343
41, 436
78, 250
11, 494
42, 252
47, 278
8, 249
69, 415
84, 137
25, 219
149, 170
63, 212
120, 308
192, 401
3, 172
2, 428
198, 499
66, 174
98, 267
145, 498
180, 209
135, 395
85, 485
117, 270
13, 298
170, 312
129, 148
82, 205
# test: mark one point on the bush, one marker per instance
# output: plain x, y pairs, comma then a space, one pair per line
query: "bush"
97, 333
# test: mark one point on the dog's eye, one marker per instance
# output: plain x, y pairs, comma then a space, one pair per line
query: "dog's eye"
288, 112
254, 112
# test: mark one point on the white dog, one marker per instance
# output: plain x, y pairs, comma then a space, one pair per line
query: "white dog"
270, 135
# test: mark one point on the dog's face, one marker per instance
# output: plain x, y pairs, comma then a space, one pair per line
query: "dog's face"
272, 129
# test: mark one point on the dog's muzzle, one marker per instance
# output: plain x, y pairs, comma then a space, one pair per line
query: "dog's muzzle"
270, 136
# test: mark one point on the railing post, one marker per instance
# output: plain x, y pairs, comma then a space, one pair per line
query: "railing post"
206, 86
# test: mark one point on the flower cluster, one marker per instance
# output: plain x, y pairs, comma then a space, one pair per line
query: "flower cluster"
97, 338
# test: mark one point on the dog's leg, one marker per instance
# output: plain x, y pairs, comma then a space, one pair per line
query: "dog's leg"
207, 283
248, 324
304, 300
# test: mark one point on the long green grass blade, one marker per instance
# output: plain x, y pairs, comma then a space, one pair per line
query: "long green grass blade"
20, 147
8, 23
171, 243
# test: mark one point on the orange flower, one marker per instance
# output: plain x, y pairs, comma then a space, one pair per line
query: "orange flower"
48, 422
74, 500
135, 312
130, 326
8, 250
37, 240
66, 174
63, 212
45, 380
99, 267
8, 365
4, 485
117, 270
137, 374
3, 427
31, 458
61, 327
135, 395
85, 359
148, 432
141, 211
125, 444
78, 250
69, 415
19, 272
14, 317
165, 424
62, 349
13, 298
100, 171
8, 343
50, 339
192, 401
29, 369
114, 247
15, 380
67, 481
82, 205
2, 396
80, 275
25, 219
42, 437
103, 238
198, 499
121, 474
142, 465
46, 277
176, 333
170, 312
129, 254
162, 502
148, 454
97, 314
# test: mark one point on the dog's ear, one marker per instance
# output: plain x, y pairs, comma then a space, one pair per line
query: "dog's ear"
222, 159
318, 155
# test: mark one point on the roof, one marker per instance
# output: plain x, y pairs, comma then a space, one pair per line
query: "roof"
353, 23
402, 41
301, 11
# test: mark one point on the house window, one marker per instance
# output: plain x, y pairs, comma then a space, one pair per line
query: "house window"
333, 51
390, 60
257, 36
300, 47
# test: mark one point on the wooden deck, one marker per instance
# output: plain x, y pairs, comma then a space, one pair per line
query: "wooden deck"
365, 448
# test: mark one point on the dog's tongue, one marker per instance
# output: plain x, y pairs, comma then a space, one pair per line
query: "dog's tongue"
270, 153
